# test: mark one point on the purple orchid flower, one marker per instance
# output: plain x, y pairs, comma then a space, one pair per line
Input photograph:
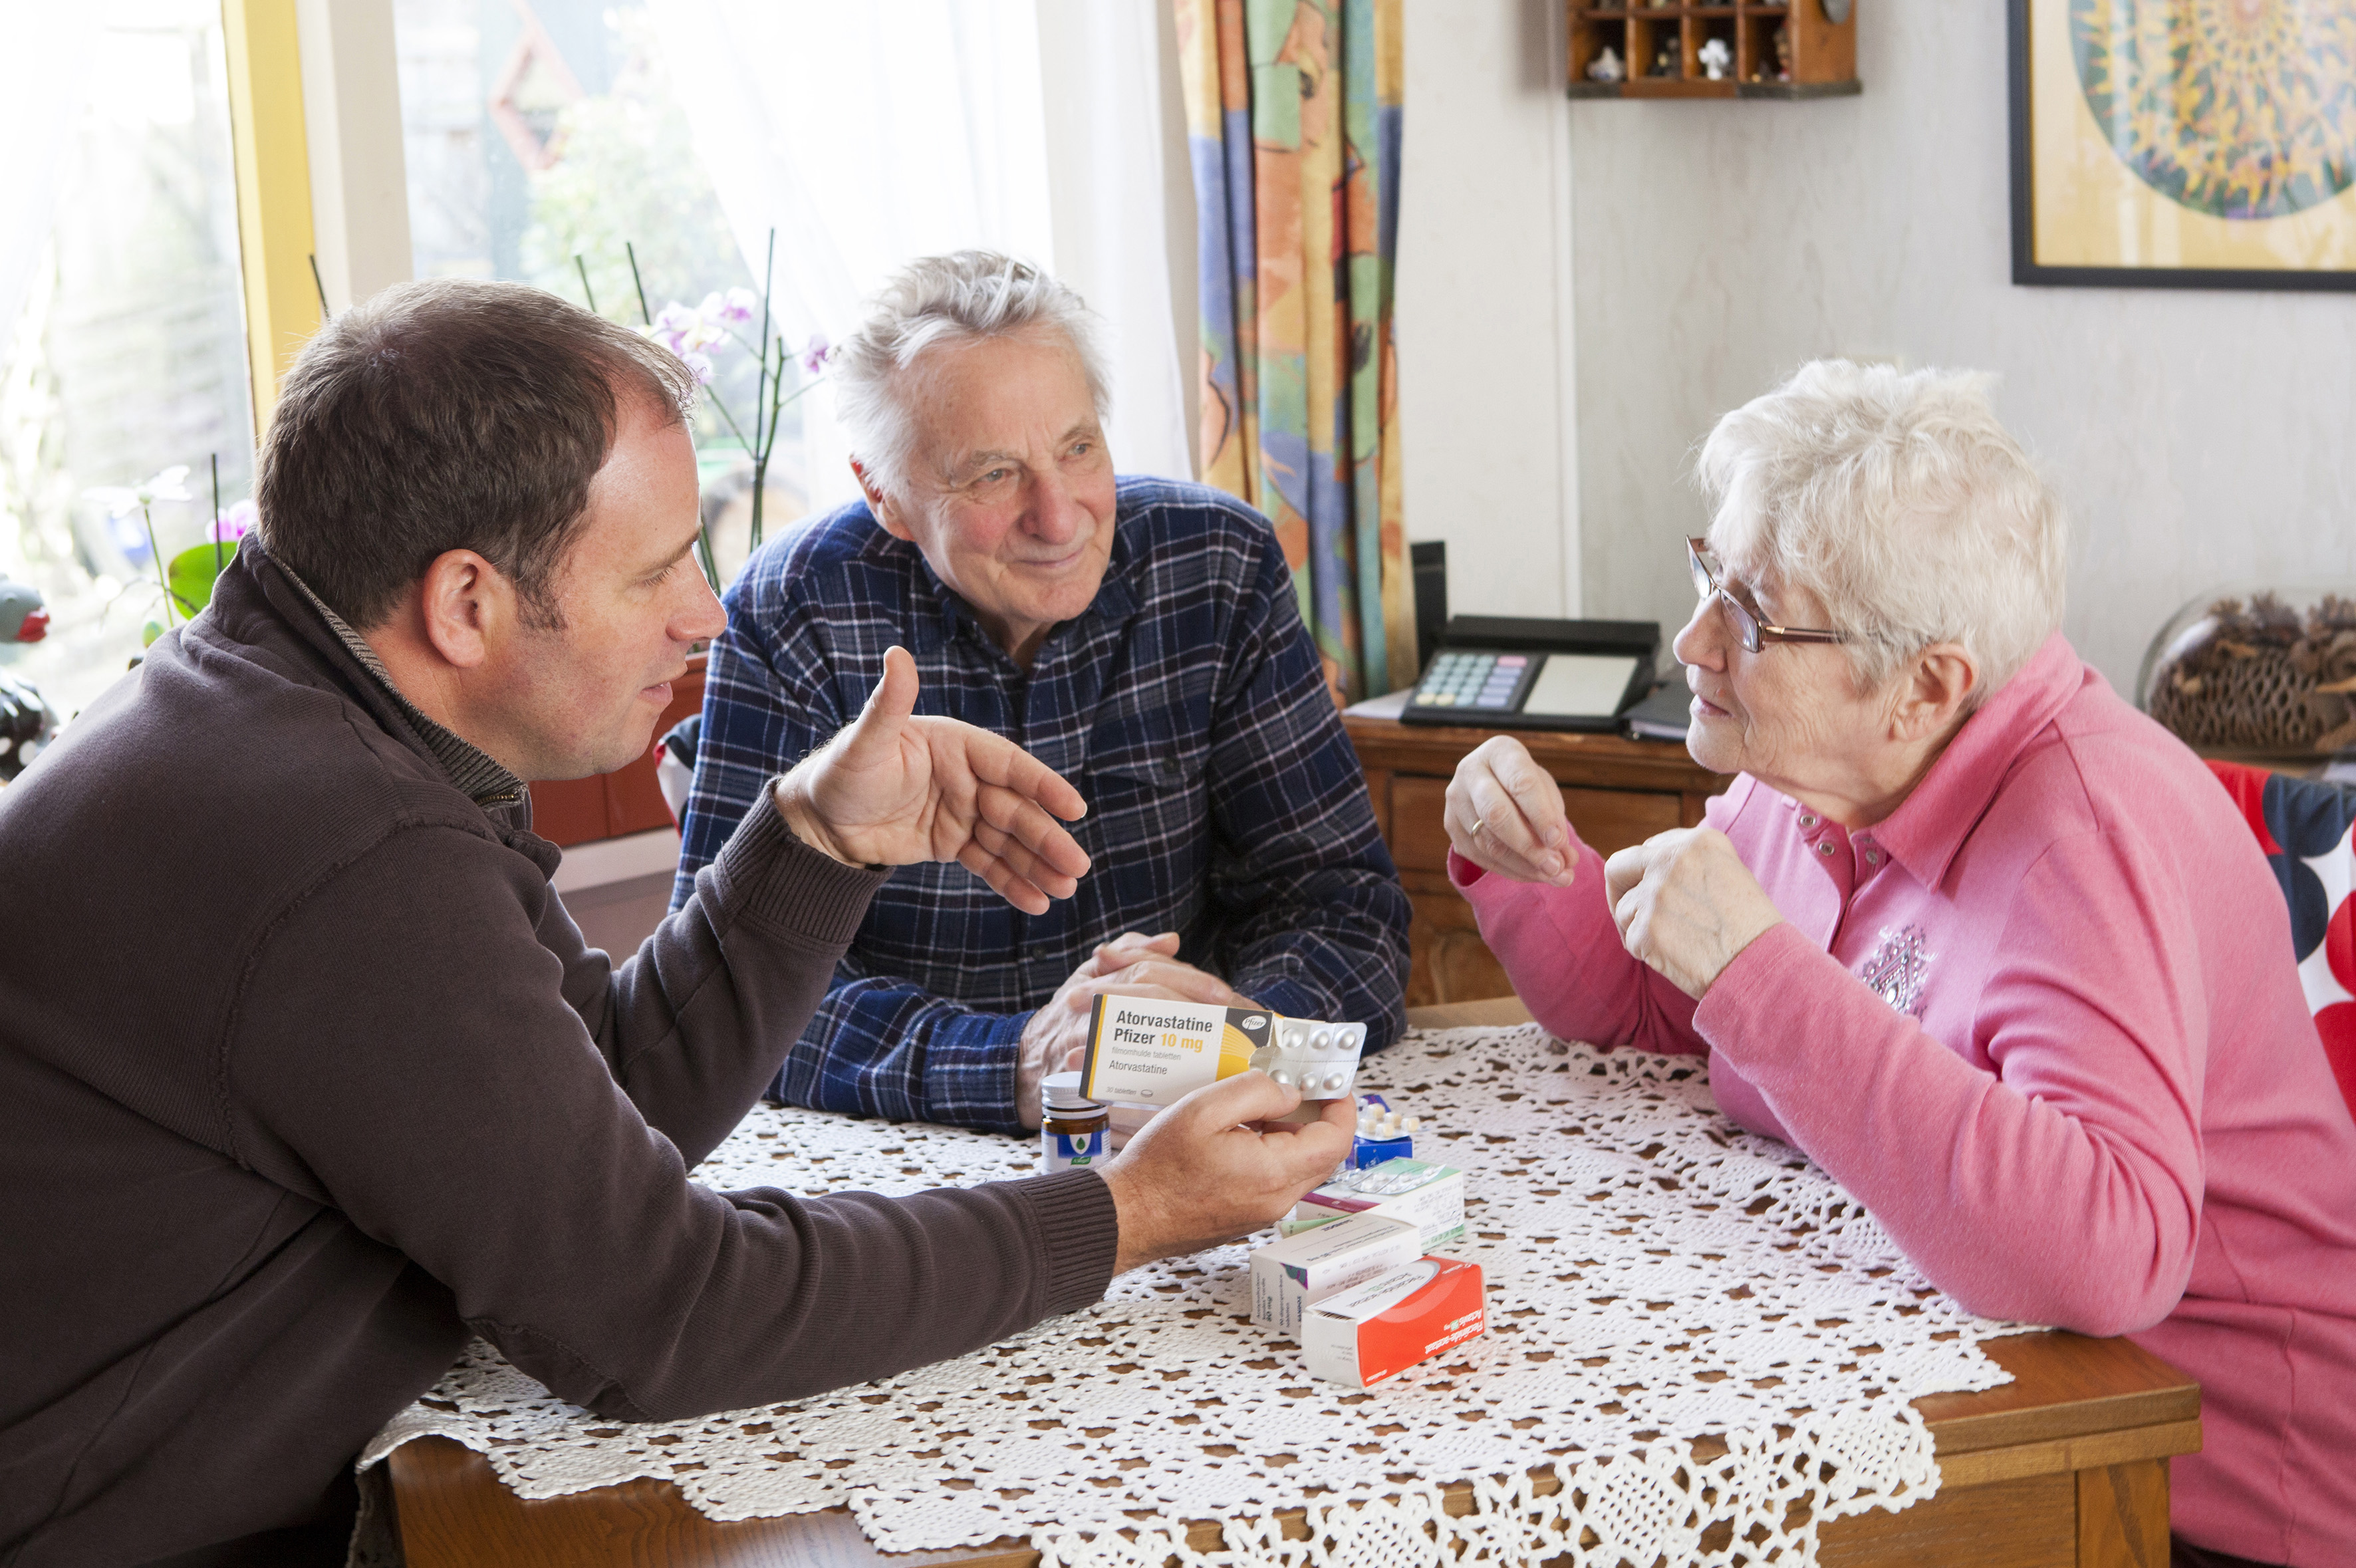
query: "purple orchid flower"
815, 354
233, 524
675, 328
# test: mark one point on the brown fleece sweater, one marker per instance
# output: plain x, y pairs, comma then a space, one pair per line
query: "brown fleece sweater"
306, 1073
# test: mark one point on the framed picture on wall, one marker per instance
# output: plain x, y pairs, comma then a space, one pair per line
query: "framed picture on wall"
2184, 144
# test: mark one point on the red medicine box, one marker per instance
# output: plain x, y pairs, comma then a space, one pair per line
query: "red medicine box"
1378, 1329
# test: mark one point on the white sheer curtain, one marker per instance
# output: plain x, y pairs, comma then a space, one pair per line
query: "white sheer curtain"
868, 135
1107, 176
44, 74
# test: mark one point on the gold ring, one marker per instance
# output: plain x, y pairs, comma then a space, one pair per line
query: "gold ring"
1476, 827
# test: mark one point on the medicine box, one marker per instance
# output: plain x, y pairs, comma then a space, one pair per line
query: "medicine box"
1144, 1052
1429, 1197
1378, 1329
1288, 1275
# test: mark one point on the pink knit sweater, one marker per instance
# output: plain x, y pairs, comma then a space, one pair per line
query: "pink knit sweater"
2044, 1021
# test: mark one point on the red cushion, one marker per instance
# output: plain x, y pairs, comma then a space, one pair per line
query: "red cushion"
2316, 817
2248, 787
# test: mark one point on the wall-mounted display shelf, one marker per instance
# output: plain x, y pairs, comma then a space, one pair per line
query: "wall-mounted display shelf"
1805, 48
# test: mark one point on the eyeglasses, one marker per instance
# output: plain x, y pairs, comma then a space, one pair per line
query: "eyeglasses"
1747, 621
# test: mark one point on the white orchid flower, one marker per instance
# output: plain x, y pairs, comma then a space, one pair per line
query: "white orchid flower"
123, 500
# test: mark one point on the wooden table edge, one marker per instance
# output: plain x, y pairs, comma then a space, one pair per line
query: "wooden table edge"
2137, 1408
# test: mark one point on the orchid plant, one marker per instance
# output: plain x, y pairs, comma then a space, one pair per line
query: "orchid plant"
185, 584
695, 332
229, 527
122, 500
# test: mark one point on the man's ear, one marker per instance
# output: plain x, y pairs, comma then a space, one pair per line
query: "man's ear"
882, 502
1932, 697
467, 606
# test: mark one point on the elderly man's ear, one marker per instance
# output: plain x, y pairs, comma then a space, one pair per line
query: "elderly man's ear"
882, 502
1933, 691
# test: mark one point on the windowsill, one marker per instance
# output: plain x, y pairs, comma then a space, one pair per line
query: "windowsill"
602, 862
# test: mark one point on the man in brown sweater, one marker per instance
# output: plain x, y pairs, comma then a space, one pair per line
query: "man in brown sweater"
305, 1074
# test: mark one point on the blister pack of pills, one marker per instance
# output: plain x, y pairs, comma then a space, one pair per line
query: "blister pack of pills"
1319, 1060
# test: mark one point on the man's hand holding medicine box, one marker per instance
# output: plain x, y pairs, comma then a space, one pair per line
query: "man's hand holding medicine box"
1299, 1271
1143, 1051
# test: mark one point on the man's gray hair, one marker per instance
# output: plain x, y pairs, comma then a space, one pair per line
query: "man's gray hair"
1902, 504
943, 301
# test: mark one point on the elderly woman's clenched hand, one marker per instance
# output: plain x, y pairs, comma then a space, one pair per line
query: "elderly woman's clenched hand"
1686, 904
1504, 814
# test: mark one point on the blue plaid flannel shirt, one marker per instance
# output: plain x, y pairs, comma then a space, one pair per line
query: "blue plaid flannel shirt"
1186, 704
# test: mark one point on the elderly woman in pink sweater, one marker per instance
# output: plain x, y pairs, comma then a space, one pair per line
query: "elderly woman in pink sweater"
1981, 939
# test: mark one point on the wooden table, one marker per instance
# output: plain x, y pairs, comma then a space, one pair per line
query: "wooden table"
2065, 1465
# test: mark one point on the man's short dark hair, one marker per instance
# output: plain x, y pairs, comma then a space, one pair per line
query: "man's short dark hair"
448, 414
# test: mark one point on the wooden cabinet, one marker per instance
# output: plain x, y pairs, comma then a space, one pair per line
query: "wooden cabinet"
1616, 792
628, 801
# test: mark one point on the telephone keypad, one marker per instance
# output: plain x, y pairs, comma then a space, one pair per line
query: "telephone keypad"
1480, 682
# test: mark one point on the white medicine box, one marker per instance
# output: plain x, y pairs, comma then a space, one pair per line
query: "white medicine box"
1290, 1275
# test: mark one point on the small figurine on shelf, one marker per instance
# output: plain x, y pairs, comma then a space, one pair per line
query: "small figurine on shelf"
27, 724
1606, 67
1717, 57
1664, 60
23, 617
1783, 54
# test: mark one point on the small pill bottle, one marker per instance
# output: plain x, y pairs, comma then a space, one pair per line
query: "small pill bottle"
1073, 1127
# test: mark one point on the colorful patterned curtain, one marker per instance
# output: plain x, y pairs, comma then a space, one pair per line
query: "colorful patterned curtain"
1292, 112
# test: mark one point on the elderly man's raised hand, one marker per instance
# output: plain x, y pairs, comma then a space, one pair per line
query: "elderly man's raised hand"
1217, 1166
891, 788
1504, 814
1686, 904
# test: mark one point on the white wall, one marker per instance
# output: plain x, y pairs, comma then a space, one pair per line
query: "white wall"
1482, 310
2199, 437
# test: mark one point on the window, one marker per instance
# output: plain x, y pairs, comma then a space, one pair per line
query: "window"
126, 353
544, 144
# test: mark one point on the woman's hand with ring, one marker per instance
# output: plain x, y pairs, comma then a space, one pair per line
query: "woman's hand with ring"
1504, 816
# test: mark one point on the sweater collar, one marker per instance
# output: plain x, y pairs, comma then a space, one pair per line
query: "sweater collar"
481, 777
1930, 824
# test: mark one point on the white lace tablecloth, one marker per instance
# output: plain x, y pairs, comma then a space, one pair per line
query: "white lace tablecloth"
1656, 1276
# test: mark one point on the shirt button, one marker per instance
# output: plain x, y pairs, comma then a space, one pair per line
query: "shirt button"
1825, 849
1808, 818
1873, 857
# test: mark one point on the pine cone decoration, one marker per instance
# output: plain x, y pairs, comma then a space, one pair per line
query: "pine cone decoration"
2264, 677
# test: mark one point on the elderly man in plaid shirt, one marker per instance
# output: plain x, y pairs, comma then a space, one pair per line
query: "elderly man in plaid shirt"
1140, 637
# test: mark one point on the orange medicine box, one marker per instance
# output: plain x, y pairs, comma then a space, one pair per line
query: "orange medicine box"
1376, 1331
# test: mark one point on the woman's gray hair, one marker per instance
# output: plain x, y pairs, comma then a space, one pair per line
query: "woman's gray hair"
1902, 504
939, 301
